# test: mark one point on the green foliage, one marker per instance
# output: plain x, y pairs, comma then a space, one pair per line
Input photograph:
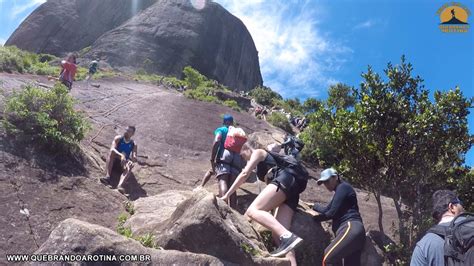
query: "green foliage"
279, 120
121, 228
13, 59
232, 104
193, 78
267, 239
265, 95
204, 94
105, 74
249, 249
85, 50
46, 118
128, 205
341, 97
390, 138
147, 240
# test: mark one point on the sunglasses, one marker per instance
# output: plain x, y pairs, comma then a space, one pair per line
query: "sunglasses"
456, 201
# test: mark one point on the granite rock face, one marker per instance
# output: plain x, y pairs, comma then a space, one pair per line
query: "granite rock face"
158, 36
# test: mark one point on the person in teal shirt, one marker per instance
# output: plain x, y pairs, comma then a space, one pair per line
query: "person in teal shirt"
225, 164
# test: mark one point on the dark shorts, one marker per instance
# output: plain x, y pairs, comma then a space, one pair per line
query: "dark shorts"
92, 71
229, 163
66, 83
291, 186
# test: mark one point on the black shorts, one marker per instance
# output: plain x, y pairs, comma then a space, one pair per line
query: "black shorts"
291, 186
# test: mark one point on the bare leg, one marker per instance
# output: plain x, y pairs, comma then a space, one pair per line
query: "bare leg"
267, 200
126, 173
233, 197
110, 163
284, 215
223, 184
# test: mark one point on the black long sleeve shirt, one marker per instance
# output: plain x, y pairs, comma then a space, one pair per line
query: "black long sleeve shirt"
343, 207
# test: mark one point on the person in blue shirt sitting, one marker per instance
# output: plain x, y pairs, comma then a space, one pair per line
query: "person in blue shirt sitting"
124, 151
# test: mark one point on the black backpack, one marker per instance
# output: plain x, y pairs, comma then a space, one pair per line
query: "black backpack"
291, 164
458, 240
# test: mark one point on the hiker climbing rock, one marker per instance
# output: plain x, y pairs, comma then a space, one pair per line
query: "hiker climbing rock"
226, 163
293, 146
123, 151
287, 181
441, 244
346, 221
68, 71
93, 66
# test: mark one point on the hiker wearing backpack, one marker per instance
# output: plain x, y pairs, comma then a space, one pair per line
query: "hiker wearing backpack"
92, 69
450, 242
123, 151
347, 224
226, 162
286, 179
68, 71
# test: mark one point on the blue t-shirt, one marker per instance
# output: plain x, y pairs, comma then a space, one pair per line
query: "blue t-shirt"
429, 251
223, 132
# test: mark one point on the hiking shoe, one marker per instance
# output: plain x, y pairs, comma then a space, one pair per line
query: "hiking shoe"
287, 244
122, 191
105, 181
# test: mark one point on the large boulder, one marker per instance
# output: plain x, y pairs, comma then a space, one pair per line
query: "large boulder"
199, 223
151, 212
158, 36
60, 26
80, 238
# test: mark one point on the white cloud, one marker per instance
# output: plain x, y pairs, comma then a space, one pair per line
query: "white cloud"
24, 6
365, 24
2, 41
296, 58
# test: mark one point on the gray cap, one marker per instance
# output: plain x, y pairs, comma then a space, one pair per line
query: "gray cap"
326, 174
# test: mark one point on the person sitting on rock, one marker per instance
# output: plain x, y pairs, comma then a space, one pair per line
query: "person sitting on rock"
287, 182
124, 151
68, 71
346, 221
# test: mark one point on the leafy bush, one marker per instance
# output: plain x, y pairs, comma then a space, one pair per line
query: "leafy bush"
13, 59
193, 78
204, 94
121, 228
232, 104
45, 117
279, 120
265, 95
147, 240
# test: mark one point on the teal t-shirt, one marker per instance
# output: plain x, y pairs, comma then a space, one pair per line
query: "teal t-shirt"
223, 132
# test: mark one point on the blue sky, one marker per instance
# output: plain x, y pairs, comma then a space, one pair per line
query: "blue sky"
306, 45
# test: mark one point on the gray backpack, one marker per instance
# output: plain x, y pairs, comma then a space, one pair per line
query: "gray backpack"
458, 240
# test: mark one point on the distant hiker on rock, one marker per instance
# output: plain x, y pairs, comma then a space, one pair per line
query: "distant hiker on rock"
93, 66
68, 71
287, 181
346, 221
451, 240
124, 151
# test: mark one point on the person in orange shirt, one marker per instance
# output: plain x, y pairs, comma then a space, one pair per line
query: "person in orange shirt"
68, 71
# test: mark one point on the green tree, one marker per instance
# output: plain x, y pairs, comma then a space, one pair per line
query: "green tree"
265, 95
312, 105
341, 96
193, 78
393, 140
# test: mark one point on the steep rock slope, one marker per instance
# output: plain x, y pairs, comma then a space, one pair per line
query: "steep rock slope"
60, 26
159, 36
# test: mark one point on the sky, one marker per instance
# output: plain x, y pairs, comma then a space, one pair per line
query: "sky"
307, 45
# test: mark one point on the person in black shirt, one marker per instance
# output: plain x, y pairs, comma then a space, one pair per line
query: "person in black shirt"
346, 221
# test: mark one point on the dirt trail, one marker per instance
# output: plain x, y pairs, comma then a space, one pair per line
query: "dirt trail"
173, 135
